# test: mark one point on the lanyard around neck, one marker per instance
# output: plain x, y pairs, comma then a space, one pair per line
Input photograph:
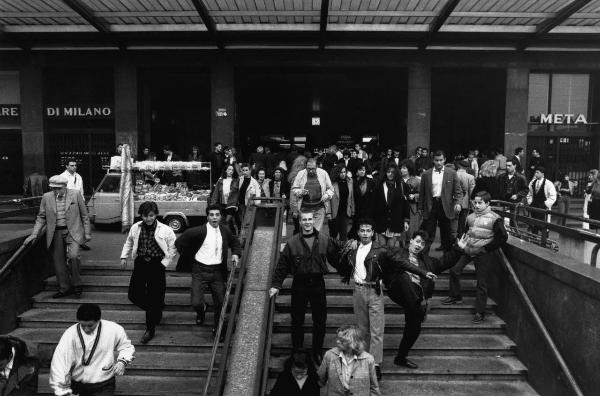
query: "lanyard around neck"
87, 362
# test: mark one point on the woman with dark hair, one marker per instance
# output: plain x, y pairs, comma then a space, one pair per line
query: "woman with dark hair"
279, 186
152, 245
298, 378
226, 193
412, 182
342, 202
263, 183
391, 210
363, 194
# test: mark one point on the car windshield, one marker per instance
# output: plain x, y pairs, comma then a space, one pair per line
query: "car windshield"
110, 184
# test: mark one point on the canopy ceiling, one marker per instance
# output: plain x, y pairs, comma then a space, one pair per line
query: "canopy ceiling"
325, 24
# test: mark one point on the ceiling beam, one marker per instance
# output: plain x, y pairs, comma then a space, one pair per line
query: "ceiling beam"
323, 23
12, 40
211, 27
102, 27
543, 28
438, 22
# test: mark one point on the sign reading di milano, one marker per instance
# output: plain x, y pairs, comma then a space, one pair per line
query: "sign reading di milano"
79, 112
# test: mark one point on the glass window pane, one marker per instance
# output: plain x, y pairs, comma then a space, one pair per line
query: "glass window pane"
539, 86
570, 93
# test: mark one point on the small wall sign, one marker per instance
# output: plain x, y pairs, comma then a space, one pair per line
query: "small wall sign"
557, 118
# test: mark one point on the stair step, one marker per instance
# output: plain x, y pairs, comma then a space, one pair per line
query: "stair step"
177, 364
503, 368
394, 324
130, 320
134, 385
427, 344
343, 304
111, 300
199, 340
118, 283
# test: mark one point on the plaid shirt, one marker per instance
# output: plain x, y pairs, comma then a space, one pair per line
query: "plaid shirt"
147, 246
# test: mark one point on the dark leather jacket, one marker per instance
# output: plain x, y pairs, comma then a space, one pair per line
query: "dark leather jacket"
298, 258
379, 263
23, 378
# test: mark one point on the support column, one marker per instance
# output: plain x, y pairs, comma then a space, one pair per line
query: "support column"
126, 104
515, 119
32, 115
418, 122
222, 103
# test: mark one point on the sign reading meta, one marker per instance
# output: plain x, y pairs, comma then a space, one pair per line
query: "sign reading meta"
10, 111
557, 118
90, 112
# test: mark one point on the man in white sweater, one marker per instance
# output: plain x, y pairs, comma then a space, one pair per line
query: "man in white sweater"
84, 359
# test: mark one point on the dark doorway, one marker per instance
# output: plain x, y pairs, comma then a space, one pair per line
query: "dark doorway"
175, 110
11, 160
467, 110
277, 107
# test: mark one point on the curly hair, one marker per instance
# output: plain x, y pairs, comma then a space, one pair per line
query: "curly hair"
352, 335
489, 168
298, 165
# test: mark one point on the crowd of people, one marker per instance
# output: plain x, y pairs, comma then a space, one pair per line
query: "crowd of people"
382, 213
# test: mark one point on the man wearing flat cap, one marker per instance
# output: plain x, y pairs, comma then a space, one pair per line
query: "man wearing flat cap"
65, 216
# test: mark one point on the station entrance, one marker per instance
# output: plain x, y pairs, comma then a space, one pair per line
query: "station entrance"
314, 108
467, 110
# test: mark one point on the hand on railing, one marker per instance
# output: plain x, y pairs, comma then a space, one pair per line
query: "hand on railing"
124, 263
235, 260
29, 240
273, 291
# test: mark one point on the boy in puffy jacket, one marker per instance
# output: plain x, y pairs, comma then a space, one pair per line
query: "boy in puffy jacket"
484, 236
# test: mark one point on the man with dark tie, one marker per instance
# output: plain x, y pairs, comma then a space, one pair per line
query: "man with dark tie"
440, 195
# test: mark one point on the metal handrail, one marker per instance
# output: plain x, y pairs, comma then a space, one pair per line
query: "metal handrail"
18, 254
540, 325
232, 317
279, 224
547, 211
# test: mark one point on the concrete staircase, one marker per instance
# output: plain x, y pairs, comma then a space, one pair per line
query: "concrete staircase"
174, 362
455, 356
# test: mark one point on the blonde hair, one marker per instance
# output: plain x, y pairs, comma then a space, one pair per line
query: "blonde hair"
298, 165
489, 168
353, 336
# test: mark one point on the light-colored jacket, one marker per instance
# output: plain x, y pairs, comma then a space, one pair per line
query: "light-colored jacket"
76, 216
549, 192
300, 182
467, 184
363, 380
253, 189
335, 200
163, 235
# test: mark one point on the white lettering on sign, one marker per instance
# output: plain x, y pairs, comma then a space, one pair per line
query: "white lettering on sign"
79, 112
562, 119
9, 111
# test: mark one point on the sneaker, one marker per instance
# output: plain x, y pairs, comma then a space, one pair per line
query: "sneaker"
378, 372
452, 300
478, 318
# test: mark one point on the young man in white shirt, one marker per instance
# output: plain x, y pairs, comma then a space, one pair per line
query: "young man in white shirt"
84, 360
204, 249
74, 180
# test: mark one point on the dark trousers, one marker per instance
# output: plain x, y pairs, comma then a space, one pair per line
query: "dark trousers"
309, 289
483, 264
210, 276
339, 226
230, 219
105, 388
147, 288
65, 257
409, 295
454, 273
537, 215
438, 217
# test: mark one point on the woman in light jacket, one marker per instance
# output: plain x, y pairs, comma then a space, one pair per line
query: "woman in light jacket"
347, 369
226, 193
342, 202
